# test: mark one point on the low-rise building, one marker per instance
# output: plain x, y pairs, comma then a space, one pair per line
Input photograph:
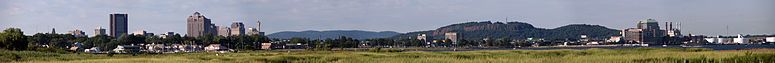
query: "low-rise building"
740, 39
712, 40
217, 48
266, 46
141, 32
127, 49
452, 36
614, 39
92, 50
725, 40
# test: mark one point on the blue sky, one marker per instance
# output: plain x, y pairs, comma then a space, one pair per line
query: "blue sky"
707, 17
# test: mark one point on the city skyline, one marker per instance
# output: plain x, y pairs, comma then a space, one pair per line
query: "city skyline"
696, 17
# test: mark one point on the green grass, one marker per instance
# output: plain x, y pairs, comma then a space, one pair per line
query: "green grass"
636, 55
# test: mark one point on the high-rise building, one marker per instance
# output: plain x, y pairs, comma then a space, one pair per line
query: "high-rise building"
199, 25
647, 31
224, 31
648, 24
651, 31
237, 28
118, 24
632, 35
77, 33
99, 31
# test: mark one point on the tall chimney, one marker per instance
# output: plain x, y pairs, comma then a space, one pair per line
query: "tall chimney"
667, 27
671, 25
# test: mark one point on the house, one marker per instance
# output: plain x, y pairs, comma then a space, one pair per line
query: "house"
127, 49
76, 46
266, 46
92, 50
217, 48
187, 48
154, 48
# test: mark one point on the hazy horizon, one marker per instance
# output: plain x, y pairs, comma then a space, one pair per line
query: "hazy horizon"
704, 17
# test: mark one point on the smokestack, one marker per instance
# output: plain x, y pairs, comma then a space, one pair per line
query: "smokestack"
667, 26
678, 26
671, 25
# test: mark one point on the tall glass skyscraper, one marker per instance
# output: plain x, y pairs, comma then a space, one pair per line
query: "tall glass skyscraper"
118, 24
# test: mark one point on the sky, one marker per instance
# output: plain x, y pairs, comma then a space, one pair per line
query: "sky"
701, 17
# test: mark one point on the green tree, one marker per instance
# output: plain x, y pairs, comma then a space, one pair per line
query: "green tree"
98, 41
174, 39
13, 39
154, 39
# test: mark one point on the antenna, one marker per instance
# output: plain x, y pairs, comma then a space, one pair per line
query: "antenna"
727, 27
507, 19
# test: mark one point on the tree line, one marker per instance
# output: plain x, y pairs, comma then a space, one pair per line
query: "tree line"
347, 42
14, 39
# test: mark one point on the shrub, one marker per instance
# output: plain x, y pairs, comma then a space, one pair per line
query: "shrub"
384, 50
748, 58
7, 56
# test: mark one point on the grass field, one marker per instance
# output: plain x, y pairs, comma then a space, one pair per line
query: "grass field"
635, 55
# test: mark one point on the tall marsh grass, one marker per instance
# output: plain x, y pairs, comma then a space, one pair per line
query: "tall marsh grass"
634, 55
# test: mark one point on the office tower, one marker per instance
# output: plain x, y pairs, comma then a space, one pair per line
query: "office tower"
199, 25
632, 35
118, 24
237, 28
77, 33
223, 31
647, 31
99, 31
